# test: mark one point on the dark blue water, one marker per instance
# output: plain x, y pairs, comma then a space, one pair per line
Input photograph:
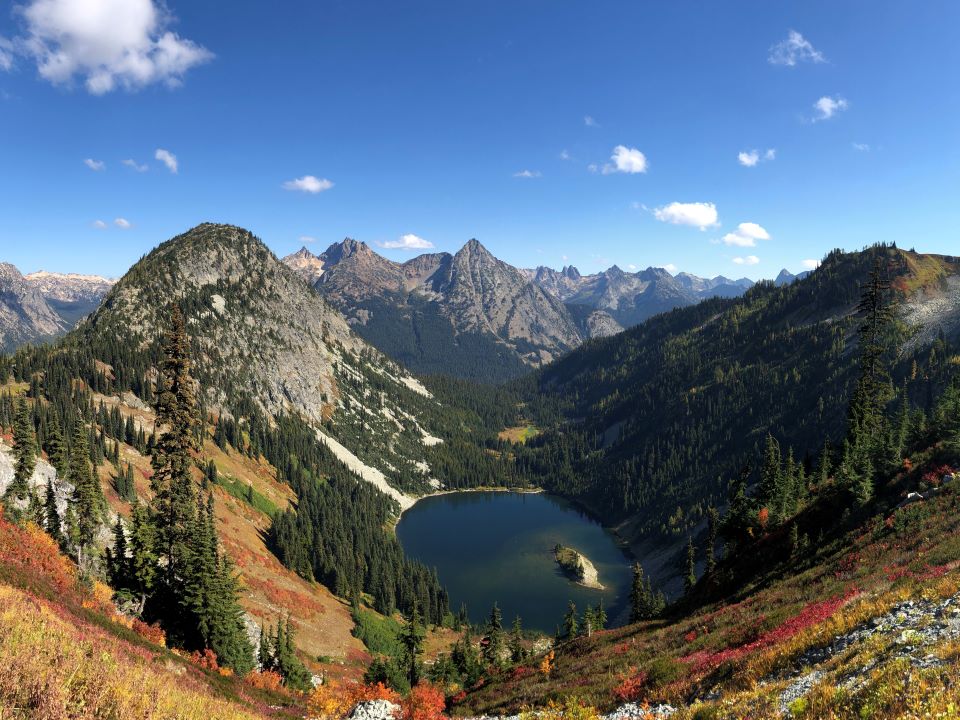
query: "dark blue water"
498, 547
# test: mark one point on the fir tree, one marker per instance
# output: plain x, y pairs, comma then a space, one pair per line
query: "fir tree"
52, 516
411, 639
88, 504
25, 458
493, 642
517, 651
570, 624
639, 596
690, 581
713, 524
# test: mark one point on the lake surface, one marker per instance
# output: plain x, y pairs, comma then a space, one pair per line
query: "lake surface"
498, 547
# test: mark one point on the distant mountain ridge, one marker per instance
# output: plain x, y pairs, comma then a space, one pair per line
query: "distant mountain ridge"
44, 305
472, 315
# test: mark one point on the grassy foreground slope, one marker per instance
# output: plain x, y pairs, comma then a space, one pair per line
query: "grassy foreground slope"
65, 653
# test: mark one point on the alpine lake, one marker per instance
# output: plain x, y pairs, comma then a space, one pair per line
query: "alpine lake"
493, 546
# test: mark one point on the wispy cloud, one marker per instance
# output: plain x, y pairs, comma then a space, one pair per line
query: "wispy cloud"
407, 242
827, 107
168, 159
695, 214
861, 147
810, 264
626, 160
589, 121
748, 260
527, 174
752, 158
795, 49
307, 239
564, 155
746, 235
130, 163
123, 223
95, 165
308, 184
99, 224
108, 44
670, 268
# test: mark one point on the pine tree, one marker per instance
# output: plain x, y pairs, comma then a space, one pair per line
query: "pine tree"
770, 490
589, 621
639, 596
570, 624
691, 578
119, 568
174, 504
52, 516
517, 651
143, 557
411, 640
600, 616
493, 647
88, 504
25, 458
713, 524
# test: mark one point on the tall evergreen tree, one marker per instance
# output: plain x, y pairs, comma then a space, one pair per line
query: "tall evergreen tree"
691, 577
494, 644
25, 458
517, 651
52, 521
88, 503
571, 625
411, 639
713, 524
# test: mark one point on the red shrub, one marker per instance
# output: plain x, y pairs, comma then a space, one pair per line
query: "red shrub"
153, 633
521, 671
631, 686
206, 659
266, 680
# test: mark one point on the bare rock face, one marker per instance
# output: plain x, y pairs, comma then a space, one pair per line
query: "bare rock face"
25, 316
305, 264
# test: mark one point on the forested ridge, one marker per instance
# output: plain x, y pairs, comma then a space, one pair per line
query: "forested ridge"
653, 425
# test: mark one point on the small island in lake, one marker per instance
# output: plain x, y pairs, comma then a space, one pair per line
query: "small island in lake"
577, 567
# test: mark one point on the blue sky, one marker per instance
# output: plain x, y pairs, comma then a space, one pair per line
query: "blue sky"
425, 115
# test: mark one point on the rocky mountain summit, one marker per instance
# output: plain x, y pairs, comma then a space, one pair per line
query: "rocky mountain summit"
25, 316
73, 296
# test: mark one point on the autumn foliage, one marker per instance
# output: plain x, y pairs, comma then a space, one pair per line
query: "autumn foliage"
425, 702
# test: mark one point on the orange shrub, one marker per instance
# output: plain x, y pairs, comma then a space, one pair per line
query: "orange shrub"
425, 702
330, 701
206, 659
367, 693
546, 665
266, 680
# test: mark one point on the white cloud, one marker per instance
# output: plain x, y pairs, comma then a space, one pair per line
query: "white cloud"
746, 235
593, 167
308, 184
95, 165
168, 159
106, 43
861, 147
670, 268
99, 225
564, 155
696, 214
527, 174
748, 260
135, 165
626, 160
407, 242
589, 121
827, 107
752, 158
307, 239
795, 49
810, 264
123, 223
6, 54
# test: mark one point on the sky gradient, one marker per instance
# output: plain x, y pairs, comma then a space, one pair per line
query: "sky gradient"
729, 138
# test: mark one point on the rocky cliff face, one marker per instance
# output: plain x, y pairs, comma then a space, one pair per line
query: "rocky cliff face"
25, 316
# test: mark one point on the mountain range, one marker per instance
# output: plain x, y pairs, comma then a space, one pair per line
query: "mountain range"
44, 305
472, 315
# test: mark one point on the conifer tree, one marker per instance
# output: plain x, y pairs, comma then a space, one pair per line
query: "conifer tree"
143, 558
411, 639
119, 566
25, 458
517, 652
639, 598
600, 617
493, 649
713, 523
52, 521
691, 578
88, 504
570, 624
